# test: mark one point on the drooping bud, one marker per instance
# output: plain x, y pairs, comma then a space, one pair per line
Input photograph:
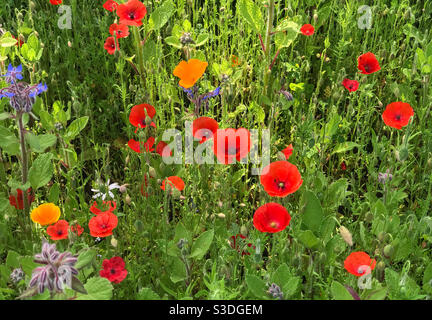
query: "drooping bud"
128, 199
221, 215
346, 235
152, 172
114, 242
244, 230
388, 251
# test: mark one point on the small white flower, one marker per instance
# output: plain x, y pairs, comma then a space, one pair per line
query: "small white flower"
106, 190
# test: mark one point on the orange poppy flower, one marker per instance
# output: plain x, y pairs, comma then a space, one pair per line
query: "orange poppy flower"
190, 72
45, 214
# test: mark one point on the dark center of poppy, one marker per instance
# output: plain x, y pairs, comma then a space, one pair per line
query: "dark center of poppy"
132, 15
367, 67
350, 86
103, 226
273, 224
279, 184
112, 271
59, 232
398, 117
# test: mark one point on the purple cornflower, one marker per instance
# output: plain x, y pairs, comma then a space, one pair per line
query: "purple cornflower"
384, 177
58, 270
21, 95
212, 94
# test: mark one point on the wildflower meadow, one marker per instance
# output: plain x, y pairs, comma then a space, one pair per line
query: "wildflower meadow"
215, 150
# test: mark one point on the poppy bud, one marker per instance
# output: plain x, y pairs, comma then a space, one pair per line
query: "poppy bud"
69, 44
243, 230
369, 217
429, 163
123, 188
381, 236
220, 204
32, 5
19, 16
221, 215
161, 166
152, 172
381, 265
127, 159
346, 235
388, 251
402, 154
114, 242
128, 199
242, 205
315, 17
139, 226
281, 156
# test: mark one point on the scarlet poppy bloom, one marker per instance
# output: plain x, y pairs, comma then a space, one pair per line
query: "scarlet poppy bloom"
175, 182
234, 61
271, 217
110, 5
59, 230
351, 85
190, 72
343, 166
368, 63
103, 224
138, 114
113, 269
397, 114
18, 200
163, 149
107, 206
204, 128
288, 151
358, 263
119, 30
110, 45
77, 229
131, 13
56, 2
230, 144
136, 145
239, 244
19, 41
280, 179
307, 29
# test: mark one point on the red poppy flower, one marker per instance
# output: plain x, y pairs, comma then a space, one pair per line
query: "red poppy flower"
113, 269
397, 114
144, 185
110, 45
234, 61
343, 166
19, 41
131, 13
103, 224
107, 206
271, 217
351, 85
358, 263
138, 114
77, 229
239, 244
56, 2
307, 29
59, 230
204, 128
230, 144
175, 182
18, 200
110, 5
368, 63
119, 30
280, 179
163, 149
288, 151
136, 145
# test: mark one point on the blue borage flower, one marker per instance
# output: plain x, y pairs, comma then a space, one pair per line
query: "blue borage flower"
21, 94
196, 99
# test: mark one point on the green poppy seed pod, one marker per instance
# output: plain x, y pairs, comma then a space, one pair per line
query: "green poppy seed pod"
139, 225
244, 230
281, 156
128, 199
381, 236
152, 172
369, 217
388, 251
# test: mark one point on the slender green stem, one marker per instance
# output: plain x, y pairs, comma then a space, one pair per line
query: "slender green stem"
137, 38
268, 47
24, 161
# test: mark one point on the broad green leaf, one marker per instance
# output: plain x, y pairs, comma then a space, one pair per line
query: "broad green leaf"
201, 39
12, 259
202, 244
287, 32
9, 142
187, 26
147, 294
345, 146
177, 270
41, 171
85, 258
8, 42
97, 288
173, 41
308, 239
33, 141
46, 119
46, 141
313, 214
339, 292
379, 294
285, 280
75, 127
161, 15
4, 115
256, 286
251, 12
427, 279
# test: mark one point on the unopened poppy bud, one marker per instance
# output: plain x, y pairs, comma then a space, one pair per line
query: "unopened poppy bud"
381, 265
19, 16
369, 217
69, 44
114, 242
388, 251
381, 236
243, 230
139, 225
315, 17
128, 199
346, 235
242, 204
220, 204
281, 156
123, 188
148, 120
127, 159
152, 172
221, 215
402, 154
429, 163
32, 5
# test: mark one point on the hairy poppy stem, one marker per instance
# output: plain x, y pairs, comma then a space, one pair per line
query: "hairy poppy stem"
139, 56
24, 162
262, 43
274, 60
268, 47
